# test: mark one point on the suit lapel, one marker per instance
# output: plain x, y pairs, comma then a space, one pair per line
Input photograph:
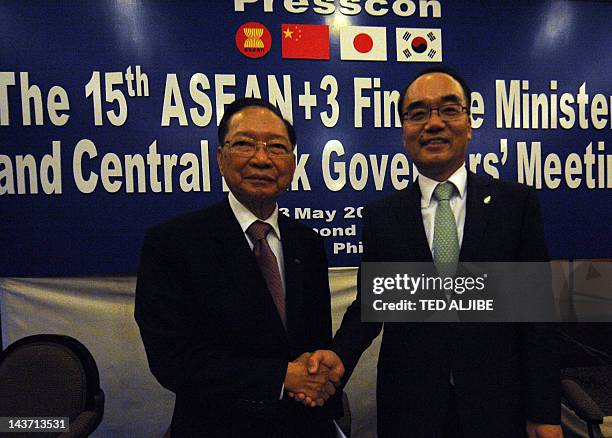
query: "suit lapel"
413, 230
239, 260
480, 199
234, 251
294, 260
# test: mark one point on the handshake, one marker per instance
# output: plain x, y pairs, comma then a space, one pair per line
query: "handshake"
313, 377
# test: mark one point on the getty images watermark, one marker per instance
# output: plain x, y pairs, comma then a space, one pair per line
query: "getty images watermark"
470, 292
448, 285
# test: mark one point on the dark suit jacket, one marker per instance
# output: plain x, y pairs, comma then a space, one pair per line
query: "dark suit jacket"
503, 373
212, 333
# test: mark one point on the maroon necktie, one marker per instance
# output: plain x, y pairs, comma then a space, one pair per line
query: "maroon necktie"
268, 264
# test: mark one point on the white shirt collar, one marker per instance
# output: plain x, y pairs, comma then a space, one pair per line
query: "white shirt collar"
245, 217
427, 185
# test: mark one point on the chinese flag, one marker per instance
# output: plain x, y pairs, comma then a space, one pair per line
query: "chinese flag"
305, 41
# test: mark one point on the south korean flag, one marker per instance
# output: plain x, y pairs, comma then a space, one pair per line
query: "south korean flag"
418, 45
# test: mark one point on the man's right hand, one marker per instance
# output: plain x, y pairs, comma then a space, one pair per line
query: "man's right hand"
330, 360
313, 385
325, 361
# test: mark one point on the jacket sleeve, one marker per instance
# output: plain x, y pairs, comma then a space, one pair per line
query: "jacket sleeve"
354, 336
539, 341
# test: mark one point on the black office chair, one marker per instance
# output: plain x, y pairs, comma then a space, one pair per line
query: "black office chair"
586, 378
51, 376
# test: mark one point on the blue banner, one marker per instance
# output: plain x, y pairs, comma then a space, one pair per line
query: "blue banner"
109, 111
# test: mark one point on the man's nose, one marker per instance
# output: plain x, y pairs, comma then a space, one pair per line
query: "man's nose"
261, 157
435, 122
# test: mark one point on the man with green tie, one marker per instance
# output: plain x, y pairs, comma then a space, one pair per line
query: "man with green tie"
453, 379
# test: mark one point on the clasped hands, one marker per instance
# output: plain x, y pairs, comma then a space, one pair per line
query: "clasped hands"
313, 377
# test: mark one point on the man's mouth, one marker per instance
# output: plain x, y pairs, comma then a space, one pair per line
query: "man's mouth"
433, 141
259, 178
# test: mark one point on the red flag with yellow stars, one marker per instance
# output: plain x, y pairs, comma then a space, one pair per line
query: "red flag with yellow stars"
305, 41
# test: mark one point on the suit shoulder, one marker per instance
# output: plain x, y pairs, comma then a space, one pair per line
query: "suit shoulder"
387, 202
390, 203
298, 228
186, 223
508, 186
506, 190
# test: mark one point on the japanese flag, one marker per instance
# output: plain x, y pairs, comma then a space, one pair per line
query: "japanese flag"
418, 45
363, 43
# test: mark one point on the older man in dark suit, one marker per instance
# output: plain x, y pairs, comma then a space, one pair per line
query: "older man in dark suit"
230, 297
462, 379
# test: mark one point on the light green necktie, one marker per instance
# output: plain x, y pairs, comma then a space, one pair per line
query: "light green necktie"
445, 239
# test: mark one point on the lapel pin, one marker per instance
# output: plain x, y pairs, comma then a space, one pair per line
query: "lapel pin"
297, 261
487, 199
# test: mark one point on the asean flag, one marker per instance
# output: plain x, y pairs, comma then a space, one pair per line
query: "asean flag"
305, 41
363, 43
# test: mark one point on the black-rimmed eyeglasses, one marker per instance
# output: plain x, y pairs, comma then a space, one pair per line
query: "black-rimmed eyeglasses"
248, 148
447, 112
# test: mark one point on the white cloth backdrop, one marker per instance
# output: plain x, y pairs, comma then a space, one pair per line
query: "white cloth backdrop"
99, 313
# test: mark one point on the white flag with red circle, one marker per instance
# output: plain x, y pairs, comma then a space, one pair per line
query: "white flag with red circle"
363, 43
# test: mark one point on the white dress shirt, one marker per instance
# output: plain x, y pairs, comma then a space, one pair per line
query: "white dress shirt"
245, 218
429, 203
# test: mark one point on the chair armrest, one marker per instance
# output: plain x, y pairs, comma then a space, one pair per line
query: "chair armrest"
82, 425
98, 407
580, 402
344, 422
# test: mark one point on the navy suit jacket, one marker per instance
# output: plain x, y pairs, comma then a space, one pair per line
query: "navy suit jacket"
212, 332
503, 373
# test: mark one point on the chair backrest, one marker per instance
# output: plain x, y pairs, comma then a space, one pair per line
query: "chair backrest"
585, 344
47, 376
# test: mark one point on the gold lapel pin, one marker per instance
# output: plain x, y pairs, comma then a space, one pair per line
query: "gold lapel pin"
487, 199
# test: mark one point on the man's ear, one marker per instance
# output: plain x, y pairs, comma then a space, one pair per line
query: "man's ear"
469, 128
220, 159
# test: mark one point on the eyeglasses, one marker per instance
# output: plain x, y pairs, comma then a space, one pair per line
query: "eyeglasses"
447, 112
246, 147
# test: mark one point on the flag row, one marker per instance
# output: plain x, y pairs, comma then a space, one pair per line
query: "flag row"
357, 43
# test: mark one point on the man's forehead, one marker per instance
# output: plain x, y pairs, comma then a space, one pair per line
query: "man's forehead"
434, 87
254, 111
259, 120
259, 132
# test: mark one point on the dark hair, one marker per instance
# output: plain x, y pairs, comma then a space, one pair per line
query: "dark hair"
244, 102
438, 69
